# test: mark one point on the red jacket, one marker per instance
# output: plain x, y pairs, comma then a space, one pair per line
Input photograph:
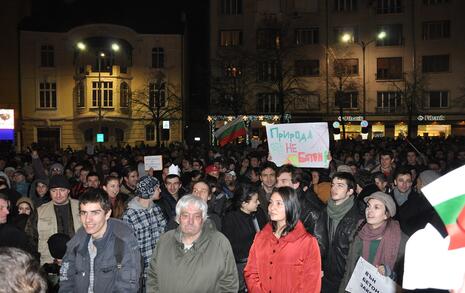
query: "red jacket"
289, 264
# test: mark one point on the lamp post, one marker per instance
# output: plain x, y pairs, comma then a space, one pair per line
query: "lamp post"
346, 38
115, 48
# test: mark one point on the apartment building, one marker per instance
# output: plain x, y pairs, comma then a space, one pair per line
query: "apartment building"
102, 83
392, 63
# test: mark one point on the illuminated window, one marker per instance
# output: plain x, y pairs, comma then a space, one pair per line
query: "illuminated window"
104, 97
47, 95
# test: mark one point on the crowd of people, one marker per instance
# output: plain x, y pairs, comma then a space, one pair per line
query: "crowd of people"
217, 219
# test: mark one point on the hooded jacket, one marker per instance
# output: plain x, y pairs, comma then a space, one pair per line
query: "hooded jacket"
207, 267
37, 200
291, 263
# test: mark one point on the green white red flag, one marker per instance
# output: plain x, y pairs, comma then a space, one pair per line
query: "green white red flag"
231, 131
447, 196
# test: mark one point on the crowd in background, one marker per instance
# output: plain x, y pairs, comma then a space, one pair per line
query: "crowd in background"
367, 203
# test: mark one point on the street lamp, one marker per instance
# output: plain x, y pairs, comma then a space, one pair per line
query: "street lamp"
346, 38
114, 47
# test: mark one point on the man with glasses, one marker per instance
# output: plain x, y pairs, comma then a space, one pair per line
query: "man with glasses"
103, 256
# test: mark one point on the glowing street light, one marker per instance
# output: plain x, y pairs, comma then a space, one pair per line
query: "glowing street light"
346, 38
115, 47
81, 46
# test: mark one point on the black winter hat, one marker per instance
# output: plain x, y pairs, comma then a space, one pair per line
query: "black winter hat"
58, 181
57, 245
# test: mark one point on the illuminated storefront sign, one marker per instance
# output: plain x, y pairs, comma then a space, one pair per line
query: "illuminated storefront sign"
431, 117
349, 118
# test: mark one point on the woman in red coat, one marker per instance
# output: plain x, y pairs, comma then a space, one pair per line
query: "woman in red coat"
284, 257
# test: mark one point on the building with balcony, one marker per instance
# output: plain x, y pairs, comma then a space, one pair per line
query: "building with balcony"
393, 63
101, 79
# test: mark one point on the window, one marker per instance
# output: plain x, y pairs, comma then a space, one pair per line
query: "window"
158, 58
434, 30
435, 63
307, 101
267, 71
307, 67
388, 102
438, 99
307, 36
230, 38
80, 94
347, 99
150, 132
267, 39
435, 2
389, 68
124, 95
389, 6
47, 56
47, 95
157, 94
394, 35
346, 67
267, 103
231, 7
352, 31
106, 92
345, 5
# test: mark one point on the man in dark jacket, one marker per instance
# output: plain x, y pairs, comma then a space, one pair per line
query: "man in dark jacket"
103, 256
413, 210
340, 219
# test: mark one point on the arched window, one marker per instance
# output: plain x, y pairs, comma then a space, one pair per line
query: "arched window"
124, 94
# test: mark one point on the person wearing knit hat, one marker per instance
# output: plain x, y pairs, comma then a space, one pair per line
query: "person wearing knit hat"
56, 169
379, 239
145, 217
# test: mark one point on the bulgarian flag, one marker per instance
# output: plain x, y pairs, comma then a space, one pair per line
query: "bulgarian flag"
447, 196
231, 130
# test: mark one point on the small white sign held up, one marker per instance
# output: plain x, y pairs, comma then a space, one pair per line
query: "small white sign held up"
155, 162
366, 279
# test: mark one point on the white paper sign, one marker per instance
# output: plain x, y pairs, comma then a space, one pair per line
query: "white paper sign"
366, 279
155, 162
430, 264
299, 144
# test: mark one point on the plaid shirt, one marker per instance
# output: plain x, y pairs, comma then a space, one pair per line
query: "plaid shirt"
148, 224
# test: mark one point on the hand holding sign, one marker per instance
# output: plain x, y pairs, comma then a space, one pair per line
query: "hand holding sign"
299, 144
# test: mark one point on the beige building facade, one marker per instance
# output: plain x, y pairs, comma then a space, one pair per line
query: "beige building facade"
413, 74
101, 79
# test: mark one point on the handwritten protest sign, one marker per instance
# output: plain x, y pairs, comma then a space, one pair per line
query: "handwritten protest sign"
299, 144
366, 279
155, 162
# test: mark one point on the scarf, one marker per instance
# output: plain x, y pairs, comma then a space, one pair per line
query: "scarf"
388, 248
401, 197
336, 213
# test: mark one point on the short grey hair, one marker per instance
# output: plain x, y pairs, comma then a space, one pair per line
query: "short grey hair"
189, 199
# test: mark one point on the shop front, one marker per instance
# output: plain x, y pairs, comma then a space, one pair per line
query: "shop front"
433, 125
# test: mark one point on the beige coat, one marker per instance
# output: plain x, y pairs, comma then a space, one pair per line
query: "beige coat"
47, 226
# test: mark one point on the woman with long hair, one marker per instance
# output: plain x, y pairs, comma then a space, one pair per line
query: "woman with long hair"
378, 239
284, 257
118, 200
241, 224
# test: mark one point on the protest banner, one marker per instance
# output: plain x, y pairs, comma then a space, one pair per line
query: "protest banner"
155, 162
300, 144
367, 279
